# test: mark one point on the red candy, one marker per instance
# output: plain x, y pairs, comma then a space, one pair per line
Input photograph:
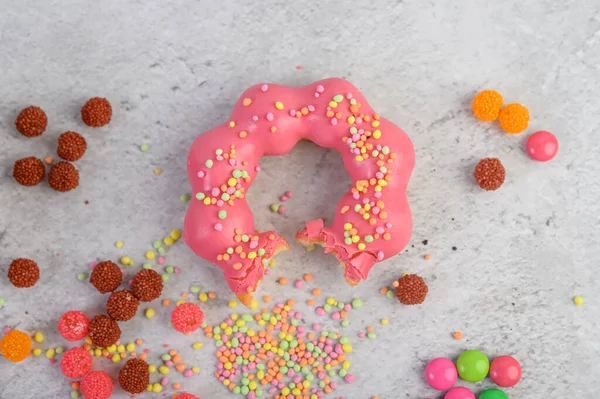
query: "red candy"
542, 146
73, 325
186, 395
505, 371
187, 317
96, 385
75, 363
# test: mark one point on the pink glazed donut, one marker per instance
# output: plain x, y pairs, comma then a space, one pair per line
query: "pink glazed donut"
372, 221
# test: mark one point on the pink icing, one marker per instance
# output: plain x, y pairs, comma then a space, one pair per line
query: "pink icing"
378, 155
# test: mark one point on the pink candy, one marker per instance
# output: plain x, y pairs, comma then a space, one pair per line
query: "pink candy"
320, 311
441, 374
459, 393
299, 284
542, 146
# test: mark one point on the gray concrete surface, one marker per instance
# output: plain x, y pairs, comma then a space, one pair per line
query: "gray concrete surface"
173, 69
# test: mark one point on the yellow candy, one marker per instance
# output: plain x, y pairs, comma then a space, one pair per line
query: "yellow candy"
578, 300
164, 370
346, 365
203, 297
149, 388
285, 391
232, 304
179, 302
111, 348
252, 385
38, 337
175, 234
50, 353
119, 244
121, 348
149, 313
97, 352
347, 348
196, 369
384, 321
197, 345
254, 304
37, 352
150, 255
377, 134
156, 387
130, 347
116, 358
152, 368
168, 241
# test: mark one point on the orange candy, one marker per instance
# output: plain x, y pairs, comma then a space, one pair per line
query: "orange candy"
486, 105
15, 346
514, 118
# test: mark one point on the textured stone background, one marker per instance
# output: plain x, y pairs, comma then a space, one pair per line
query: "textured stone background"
173, 69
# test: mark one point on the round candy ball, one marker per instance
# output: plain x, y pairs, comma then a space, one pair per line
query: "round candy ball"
542, 146
459, 393
441, 373
505, 371
493, 394
472, 366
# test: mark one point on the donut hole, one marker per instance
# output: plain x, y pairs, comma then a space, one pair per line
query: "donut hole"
315, 175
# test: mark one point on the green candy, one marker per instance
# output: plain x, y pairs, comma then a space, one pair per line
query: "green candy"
473, 366
246, 317
236, 390
345, 323
327, 307
493, 394
338, 98
235, 342
237, 173
342, 373
195, 289
283, 369
357, 303
222, 214
245, 390
81, 276
390, 294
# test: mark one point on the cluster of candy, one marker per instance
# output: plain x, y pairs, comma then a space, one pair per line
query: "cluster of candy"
473, 366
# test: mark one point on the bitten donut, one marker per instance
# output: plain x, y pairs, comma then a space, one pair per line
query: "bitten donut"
372, 221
